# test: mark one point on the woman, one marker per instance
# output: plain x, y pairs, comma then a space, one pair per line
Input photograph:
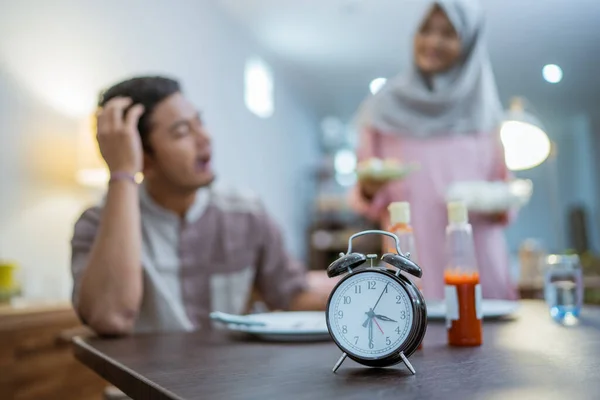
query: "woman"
444, 115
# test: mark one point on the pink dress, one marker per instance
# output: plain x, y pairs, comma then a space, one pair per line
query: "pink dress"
442, 160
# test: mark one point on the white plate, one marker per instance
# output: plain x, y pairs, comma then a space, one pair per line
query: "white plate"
286, 326
383, 170
491, 308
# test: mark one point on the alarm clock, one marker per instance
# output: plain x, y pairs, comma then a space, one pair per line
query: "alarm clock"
375, 314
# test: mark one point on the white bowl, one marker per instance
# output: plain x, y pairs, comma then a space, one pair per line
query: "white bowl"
496, 196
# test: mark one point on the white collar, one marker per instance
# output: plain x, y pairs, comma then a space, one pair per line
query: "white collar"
194, 213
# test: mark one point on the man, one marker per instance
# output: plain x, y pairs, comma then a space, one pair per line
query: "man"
162, 255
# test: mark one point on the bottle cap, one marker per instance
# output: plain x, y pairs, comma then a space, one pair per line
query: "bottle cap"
399, 212
457, 212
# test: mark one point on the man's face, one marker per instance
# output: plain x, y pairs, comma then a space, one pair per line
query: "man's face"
181, 150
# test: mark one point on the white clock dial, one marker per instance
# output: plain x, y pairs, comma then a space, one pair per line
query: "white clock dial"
370, 315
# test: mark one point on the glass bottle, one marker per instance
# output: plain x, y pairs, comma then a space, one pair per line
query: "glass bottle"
461, 276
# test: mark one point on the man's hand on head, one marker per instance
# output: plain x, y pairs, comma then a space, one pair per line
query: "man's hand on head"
118, 136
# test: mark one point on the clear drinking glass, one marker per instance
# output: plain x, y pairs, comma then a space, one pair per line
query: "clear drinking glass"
563, 287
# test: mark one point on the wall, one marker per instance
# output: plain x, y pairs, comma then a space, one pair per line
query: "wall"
585, 175
570, 180
54, 62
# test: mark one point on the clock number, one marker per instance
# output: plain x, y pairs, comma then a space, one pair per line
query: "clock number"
398, 299
347, 299
372, 284
355, 339
344, 329
398, 330
340, 314
357, 289
371, 345
385, 290
402, 314
388, 341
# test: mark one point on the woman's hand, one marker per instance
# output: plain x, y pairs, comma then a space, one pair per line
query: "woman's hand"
370, 187
498, 218
495, 217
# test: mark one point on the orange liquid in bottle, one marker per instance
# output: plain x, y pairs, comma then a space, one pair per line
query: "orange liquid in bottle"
467, 330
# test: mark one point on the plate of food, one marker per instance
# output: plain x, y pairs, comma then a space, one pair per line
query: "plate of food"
491, 308
383, 169
490, 197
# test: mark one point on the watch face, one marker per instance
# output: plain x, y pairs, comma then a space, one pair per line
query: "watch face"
370, 315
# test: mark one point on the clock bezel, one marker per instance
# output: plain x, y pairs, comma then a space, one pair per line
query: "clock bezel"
416, 331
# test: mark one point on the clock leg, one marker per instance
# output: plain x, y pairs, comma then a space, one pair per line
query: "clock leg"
339, 362
407, 363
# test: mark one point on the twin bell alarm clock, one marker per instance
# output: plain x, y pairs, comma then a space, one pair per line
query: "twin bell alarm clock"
375, 314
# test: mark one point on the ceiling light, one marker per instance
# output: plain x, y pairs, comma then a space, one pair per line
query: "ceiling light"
345, 161
552, 73
258, 88
525, 143
345, 179
376, 84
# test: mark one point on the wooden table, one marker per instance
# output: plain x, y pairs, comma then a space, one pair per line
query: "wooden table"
529, 357
36, 361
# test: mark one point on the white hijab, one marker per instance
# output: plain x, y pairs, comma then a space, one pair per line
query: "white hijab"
463, 100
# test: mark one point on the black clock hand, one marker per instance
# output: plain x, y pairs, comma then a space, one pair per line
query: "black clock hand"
370, 315
380, 296
371, 333
384, 318
366, 321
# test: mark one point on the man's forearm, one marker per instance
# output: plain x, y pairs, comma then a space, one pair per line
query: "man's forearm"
111, 287
315, 298
309, 300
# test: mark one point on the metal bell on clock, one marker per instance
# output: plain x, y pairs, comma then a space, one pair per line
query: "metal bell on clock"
345, 264
402, 263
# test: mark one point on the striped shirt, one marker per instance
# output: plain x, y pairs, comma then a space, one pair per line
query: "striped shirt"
210, 260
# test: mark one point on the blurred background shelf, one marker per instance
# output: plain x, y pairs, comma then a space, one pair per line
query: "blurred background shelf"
328, 240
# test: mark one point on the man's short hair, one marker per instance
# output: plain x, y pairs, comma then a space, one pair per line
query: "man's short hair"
148, 91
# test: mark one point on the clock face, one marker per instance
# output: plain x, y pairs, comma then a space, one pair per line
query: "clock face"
370, 315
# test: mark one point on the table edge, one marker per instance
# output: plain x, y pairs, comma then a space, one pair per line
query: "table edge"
91, 358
